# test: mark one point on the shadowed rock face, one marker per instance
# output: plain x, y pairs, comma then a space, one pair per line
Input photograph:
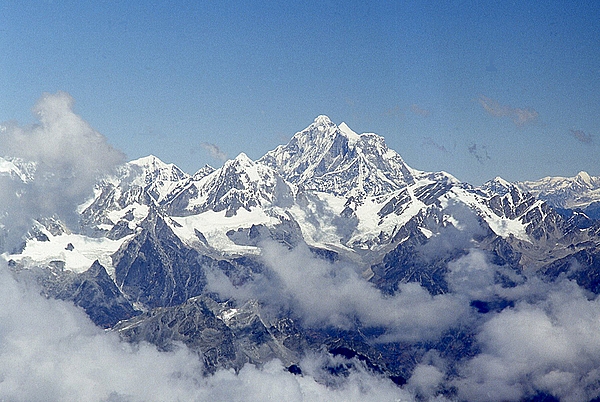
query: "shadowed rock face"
225, 336
156, 269
92, 290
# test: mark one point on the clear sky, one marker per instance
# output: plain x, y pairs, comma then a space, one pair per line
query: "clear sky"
475, 88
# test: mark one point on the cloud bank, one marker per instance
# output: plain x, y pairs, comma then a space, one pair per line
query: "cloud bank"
544, 339
51, 351
336, 295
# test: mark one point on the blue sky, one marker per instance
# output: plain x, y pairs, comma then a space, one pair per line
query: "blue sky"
475, 88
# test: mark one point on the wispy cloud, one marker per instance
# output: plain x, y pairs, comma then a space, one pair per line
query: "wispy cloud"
519, 116
479, 152
582, 136
214, 151
419, 111
430, 143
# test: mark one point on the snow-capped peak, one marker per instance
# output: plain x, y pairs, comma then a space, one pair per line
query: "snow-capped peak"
498, 186
239, 183
153, 168
328, 158
243, 159
203, 172
347, 131
149, 160
585, 178
322, 121
159, 179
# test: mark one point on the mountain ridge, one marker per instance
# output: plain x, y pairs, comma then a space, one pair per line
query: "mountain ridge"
230, 261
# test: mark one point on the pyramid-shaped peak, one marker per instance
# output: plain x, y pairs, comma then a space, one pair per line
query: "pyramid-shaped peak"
498, 186
328, 158
584, 177
242, 159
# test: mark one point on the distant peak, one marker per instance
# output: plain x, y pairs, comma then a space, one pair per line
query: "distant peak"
584, 177
242, 157
323, 120
501, 181
149, 160
347, 131
498, 185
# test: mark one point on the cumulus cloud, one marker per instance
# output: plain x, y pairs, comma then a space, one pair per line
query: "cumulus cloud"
335, 294
68, 156
548, 343
552, 346
215, 151
582, 136
51, 351
519, 116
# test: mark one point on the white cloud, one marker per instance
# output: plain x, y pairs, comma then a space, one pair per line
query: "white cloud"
51, 351
69, 156
550, 345
67, 149
335, 294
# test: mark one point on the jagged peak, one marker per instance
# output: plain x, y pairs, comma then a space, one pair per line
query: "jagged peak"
203, 172
240, 162
499, 180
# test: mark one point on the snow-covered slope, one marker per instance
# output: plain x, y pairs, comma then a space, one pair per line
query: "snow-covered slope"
17, 168
121, 202
240, 183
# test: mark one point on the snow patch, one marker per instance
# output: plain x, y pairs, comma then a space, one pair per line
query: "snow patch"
76, 252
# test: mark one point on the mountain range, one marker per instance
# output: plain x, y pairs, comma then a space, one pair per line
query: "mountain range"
238, 263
